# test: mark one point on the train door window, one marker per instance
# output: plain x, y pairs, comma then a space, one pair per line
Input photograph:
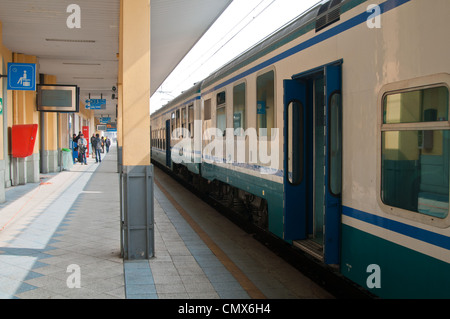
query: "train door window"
295, 142
191, 120
221, 114
415, 148
239, 94
335, 144
265, 114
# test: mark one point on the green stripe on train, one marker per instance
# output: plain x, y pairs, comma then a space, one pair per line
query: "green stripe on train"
403, 273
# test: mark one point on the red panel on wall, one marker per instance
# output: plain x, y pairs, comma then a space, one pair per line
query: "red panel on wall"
86, 136
23, 139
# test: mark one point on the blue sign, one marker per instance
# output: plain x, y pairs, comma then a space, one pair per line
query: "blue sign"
22, 76
95, 104
105, 120
261, 107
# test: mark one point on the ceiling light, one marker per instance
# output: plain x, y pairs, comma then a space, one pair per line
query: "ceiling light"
80, 63
87, 78
71, 40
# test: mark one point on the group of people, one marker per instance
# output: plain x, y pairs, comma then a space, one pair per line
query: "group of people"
98, 146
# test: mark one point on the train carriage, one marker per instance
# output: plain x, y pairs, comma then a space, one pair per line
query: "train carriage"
336, 128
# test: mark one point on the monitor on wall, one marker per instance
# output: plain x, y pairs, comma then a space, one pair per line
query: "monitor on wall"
57, 98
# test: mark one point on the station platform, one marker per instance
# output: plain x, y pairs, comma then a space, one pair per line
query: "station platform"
60, 239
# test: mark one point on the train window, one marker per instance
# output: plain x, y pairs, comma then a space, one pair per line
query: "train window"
163, 138
239, 108
221, 114
183, 117
426, 105
178, 124
265, 103
220, 98
172, 123
191, 120
415, 157
207, 110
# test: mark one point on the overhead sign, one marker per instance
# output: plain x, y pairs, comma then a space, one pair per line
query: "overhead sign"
101, 127
96, 104
105, 120
22, 76
111, 127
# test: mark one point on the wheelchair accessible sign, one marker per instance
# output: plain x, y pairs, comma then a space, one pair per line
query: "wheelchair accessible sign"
22, 76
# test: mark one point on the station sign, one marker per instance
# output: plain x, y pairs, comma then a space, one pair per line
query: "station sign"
22, 76
96, 104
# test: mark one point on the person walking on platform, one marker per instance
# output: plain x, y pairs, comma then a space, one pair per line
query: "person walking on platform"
82, 147
98, 148
103, 144
108, 144
92, 145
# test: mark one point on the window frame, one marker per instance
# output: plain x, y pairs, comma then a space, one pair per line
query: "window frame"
245, 121
421, 83
275, 118
222, 105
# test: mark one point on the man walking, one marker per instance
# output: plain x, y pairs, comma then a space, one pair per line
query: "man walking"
82, 147
93, 145
98, 148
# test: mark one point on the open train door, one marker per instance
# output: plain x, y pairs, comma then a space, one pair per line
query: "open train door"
312, 161
333, 158
294, 164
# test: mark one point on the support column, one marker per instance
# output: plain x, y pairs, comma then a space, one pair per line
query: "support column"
137, 172
120, 96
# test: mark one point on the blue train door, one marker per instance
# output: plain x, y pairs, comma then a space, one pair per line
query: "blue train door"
168, 150
312, 161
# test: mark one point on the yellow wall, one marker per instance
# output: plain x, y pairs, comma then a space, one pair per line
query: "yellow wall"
6, 56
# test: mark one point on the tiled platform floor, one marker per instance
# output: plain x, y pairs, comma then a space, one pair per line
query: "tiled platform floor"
68, 225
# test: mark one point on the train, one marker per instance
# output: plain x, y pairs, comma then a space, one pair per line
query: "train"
332, 135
